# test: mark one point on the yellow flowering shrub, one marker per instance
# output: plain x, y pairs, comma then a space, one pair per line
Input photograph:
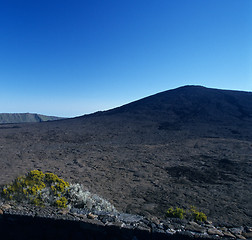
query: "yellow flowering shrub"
31, 187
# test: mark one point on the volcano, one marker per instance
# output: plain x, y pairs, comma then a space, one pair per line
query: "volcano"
187, 146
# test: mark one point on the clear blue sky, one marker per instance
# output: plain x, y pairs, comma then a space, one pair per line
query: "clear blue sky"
72, 57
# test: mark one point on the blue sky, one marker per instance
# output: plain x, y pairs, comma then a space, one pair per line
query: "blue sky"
72, 57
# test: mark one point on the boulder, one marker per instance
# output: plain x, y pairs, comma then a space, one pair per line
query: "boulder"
215, 231
195, 227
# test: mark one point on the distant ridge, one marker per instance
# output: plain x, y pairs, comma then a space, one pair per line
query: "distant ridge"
25, 117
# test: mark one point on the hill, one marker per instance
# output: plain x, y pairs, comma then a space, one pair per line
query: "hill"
25, 117
187, 146
191, 104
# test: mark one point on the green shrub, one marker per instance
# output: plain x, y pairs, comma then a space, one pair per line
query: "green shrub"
192, 213
197, 216
175, 213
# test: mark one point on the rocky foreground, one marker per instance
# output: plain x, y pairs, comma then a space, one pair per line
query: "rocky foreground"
169, 228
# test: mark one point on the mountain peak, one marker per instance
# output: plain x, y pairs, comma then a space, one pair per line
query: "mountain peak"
191, 103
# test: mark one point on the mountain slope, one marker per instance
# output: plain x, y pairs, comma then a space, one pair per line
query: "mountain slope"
197, 110
25, 117
182, 147
190, 104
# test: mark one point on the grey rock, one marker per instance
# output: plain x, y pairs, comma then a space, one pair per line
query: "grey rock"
106, 218
146, 222
153, 226
195, 227
224, 229
160, 226
156, 230
239, 236
116, 224
155, 220
236, 230
214, 231
129, 218
5, 206
127, 226
143, 227
79, 211
202, 236
228, 234
170, 231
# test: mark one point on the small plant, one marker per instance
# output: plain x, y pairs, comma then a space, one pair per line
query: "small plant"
197, 216
192, 213
175, 213
80, 197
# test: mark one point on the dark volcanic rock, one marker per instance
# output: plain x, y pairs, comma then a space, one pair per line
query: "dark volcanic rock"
22, 219
187, 146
